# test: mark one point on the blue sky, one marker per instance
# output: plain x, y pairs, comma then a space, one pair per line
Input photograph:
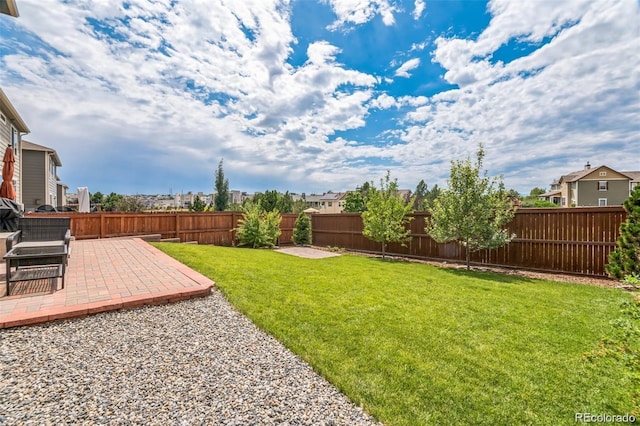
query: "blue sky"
145, 96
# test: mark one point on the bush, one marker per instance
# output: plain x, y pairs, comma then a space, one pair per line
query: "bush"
302, 230
258, 228
625, 259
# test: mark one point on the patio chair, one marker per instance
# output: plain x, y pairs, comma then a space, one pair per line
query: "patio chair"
40, 231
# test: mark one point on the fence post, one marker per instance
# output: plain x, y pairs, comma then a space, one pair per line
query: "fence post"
177, 225
101, 225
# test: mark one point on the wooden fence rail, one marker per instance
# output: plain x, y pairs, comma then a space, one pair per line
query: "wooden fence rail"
572, 240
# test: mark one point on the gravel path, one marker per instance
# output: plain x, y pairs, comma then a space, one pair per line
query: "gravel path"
196, 362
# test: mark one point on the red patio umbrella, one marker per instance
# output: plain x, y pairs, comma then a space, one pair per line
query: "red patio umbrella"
6, 189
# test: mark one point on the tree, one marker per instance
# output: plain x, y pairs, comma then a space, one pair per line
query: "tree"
625, 259
129, 204
430, 197
221, 199
274, 200
111, 201
198, 205
536, 192
258, 228
420, 193
299, 206
386, 215
302, 230
424, 196
473, 211
356, 201
96, 198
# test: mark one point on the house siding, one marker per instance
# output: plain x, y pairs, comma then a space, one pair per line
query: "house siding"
6, 129
52, 184
616, 193
34, 179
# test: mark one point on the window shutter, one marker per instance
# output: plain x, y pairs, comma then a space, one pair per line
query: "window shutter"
607, 185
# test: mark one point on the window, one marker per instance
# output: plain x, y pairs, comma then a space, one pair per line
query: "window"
563, 201
602, 202
603, 185
330, 203
15, 141
3, 118
603, 173
633, 185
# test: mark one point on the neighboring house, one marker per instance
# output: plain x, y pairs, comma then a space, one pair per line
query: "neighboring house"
12, 127
555, 195
332, 202
329, 202
9, 7
39, 176
593, 186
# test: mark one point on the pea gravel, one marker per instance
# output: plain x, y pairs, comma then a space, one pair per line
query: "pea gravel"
197, 362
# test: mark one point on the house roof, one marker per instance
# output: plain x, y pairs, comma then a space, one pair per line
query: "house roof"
313, 198
9, 7
635, 176
12, 114
332, 196
30, 146
550, 193
577, 175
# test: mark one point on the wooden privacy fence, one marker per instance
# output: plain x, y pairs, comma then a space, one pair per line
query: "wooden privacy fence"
206, 228
571, 240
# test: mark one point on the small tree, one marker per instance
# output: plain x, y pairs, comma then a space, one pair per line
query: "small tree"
356, 201
258, 228
274, 200
386, 215
473, 210
625, 259
302, 230
129, 204
221, 199
198, 205
96, 198
111, 201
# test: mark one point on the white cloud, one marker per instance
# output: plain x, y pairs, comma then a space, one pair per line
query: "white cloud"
361, 11
563, 103
409, 65
384, 101
419, 8
190, 83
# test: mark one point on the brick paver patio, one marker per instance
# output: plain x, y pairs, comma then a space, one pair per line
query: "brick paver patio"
104, 275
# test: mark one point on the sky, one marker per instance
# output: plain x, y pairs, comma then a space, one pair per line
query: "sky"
147, 97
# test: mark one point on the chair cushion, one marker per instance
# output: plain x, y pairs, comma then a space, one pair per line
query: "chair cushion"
40, 243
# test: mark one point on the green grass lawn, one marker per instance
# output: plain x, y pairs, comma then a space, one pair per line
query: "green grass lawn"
415, 344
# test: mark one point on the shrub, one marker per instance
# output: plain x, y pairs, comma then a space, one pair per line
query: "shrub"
302, 230
258, 228
625, 259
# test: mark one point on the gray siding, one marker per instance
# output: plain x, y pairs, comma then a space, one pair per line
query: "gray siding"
588, 193
34, 179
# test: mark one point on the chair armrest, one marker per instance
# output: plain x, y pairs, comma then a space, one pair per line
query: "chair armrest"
67, 237
13, 238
